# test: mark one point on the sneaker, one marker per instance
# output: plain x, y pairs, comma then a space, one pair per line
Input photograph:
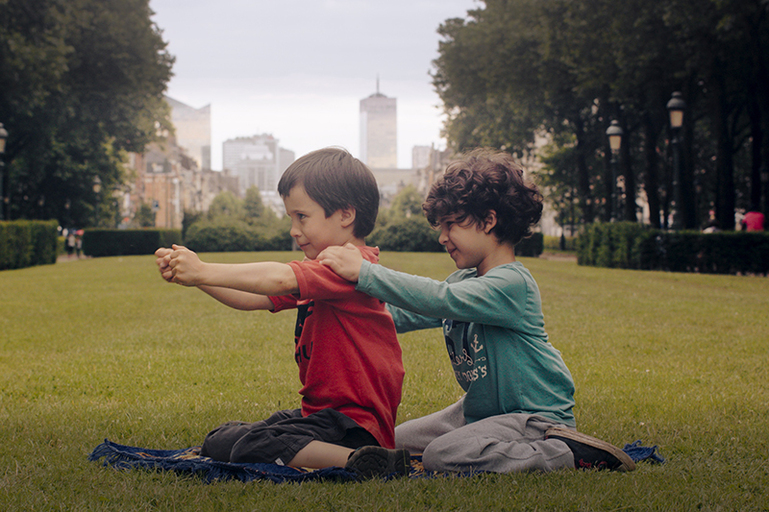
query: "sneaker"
592, 453
371, 461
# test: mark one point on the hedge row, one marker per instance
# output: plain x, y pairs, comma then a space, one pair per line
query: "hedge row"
126, 242
407, 234
560, 243
634, 246
531, 247
232, 235
26, 243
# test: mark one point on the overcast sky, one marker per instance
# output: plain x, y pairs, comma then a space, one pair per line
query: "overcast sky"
297, 69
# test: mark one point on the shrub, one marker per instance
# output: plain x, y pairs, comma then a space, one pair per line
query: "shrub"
126, 242
560, 243
25, 243
405, 234
229, 234
532, 246
631, 245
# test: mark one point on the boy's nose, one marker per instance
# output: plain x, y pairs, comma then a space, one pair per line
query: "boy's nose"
443, 237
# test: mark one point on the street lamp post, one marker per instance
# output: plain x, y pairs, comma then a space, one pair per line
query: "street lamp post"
4, 203
676, 107
614, 132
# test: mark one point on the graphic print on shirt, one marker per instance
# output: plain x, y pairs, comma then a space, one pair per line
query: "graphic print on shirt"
303, 311
467, 356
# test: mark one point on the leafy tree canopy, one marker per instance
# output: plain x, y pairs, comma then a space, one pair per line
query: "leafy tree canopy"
81, 81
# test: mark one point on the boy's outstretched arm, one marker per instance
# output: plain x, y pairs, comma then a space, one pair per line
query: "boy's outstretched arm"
345, 261
234, 298
263, 278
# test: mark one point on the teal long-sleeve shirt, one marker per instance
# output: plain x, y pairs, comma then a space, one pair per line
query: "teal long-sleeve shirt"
494, 332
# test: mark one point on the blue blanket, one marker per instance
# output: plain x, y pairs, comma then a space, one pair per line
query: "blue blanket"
189, 461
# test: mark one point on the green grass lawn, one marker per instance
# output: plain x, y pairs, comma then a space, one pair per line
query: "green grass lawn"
103, 348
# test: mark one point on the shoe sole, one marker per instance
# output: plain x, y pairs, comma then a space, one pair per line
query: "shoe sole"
627, 463
374, 461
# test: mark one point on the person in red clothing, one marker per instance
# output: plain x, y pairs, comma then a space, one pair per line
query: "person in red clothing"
753, 221
349, 359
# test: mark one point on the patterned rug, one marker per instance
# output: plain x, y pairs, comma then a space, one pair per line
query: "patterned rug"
188, 461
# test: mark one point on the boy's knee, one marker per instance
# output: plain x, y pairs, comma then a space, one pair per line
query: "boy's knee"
438, 456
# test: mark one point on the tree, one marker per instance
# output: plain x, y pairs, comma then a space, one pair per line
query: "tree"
253, 207
226, 204
81, 81
566, 68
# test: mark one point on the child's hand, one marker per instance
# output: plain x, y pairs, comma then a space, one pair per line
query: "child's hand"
345, 261
185, 266
163, 256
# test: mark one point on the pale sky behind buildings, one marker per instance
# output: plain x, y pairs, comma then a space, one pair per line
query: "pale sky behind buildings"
297, 69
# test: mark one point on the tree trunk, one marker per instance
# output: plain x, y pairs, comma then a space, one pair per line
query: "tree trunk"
583, 180
725, 201
651, 183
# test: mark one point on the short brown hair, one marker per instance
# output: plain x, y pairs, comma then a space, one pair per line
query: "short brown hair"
335, 179
482, 180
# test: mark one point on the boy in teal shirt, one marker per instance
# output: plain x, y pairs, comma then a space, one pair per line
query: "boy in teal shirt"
516, 414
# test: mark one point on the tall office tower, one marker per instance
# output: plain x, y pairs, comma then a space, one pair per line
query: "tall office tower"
258, 161
378, 131
193, 130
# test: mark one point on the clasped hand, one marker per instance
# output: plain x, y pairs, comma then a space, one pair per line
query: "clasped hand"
179, 265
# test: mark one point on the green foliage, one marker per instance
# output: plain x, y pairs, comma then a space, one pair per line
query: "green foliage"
230, 234
27, 243
560, 243
233, 224
81, 81
225, 204
563, 69
633, 246
531, 246
406, 203
118, 242
145, 217
253, 207
405, 234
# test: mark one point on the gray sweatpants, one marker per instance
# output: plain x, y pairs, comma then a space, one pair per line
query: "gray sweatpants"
501, 444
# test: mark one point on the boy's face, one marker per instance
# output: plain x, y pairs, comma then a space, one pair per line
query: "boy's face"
311, 228
467, 242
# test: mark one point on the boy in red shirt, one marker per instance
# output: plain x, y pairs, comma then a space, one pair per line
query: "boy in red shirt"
349, 358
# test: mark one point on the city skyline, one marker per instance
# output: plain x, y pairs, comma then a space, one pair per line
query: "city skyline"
298, 69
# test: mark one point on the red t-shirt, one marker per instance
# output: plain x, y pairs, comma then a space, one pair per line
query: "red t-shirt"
346, 348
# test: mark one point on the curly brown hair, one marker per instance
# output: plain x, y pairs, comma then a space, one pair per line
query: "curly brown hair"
483, 180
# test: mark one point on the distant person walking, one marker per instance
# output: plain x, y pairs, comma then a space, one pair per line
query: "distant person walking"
70, 244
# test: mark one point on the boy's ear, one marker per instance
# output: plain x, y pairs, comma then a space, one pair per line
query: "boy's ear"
490, 221
348, 216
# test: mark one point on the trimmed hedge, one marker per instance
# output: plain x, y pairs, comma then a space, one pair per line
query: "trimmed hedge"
560, 243
232, 235
634, 246
128, 242
405, 234
532, 246
26, 243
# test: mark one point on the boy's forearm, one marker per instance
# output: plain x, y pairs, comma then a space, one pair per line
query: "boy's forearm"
237, 299
262, 278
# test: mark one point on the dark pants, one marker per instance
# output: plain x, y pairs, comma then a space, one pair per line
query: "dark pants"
279, 438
